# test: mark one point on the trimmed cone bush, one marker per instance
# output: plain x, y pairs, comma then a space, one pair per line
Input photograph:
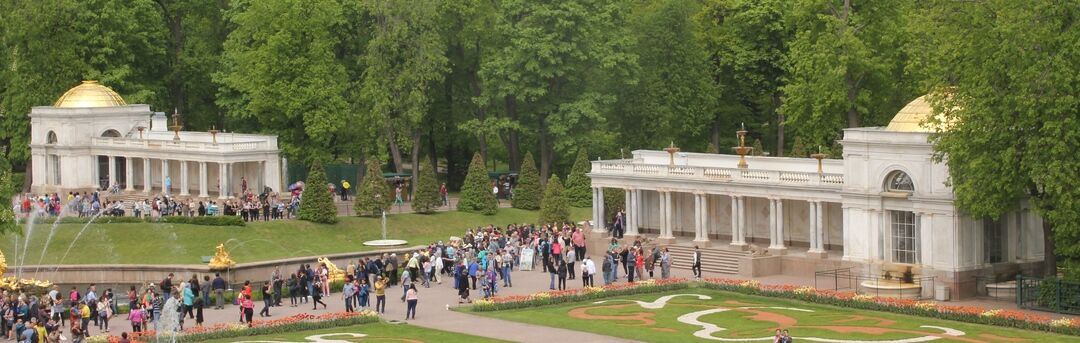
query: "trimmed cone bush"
578, 184
426, 196
527, 192
318, 204
798, 149
614, 200
759, 150
476, 194
366, 203
555, 208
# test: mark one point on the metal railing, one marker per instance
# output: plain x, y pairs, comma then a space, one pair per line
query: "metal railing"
1051, 294
845, 279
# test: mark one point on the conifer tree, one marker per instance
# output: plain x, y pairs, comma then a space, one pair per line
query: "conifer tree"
555, 208
426, 196
578, 184
528, 191
476, 194
366, 203
798, 149
7, 214
758, 149
317, 205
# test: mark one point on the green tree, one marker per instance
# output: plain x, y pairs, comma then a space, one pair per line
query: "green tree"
7, 214
845, 67
674, 97
196, 30
426, 196
747, 43
51, 45
758, 150
1005, 76
405, 57
317, 205
373, 195
578, 184
528, 191
614, 200
476, 193
279, 70
555, 208
798, 149
556, 64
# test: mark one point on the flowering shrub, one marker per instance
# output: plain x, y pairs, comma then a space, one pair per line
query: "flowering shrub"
296, 322
970, 314
575, 295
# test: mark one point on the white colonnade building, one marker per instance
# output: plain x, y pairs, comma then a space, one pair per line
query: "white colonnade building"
91, 139
885, 203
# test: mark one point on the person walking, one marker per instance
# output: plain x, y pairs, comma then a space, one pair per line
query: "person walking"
398, 200
206, 288
562, 274
445, 194
406, 283
347, 293
606, 268
268, 299
247, 309
219, 291
665, 264
569, 257
411, 300
136, 316
380, 294
362, 293
317, 295
345, 190
276, 281
587, 271
696, 263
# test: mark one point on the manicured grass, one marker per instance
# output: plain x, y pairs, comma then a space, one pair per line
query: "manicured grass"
258, 241
375, 332
629, 320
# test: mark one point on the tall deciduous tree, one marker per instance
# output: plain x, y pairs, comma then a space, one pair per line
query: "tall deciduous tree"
1006, 75
555, 65
747, 45
317, 205
426, 198
7, 213
845, 66
196, 32
279, 69
674, 98
555, 208
373, 195
405, 57
476, 193
578, 184
527, 192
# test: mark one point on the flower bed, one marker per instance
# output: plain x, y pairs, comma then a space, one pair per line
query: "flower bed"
296, 322
575, 295
849, 299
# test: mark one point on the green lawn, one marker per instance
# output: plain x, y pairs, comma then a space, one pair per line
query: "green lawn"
375, 332
629, 320
186, 244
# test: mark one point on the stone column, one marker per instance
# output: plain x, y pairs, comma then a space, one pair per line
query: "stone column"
926, 247
184, 178
776, 245
112, 171
632, 215
742, 221
129, 181
223, 181
598, 204
666, 236
735, 222
147, 176
820, 226
772, 223
815, 232
202, 180
702, 214
164, 175
626, 209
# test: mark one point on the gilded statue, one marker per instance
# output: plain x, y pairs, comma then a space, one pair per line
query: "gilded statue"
333, 272
221, 259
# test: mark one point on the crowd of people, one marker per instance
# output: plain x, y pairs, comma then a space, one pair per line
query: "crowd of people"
249, 206
29, 318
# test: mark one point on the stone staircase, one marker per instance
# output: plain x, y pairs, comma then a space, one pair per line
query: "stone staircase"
713, 260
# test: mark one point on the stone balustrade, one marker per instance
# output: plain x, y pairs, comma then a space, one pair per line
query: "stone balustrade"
186, 146
628, 168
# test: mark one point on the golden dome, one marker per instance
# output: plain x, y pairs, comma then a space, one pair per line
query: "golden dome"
912, 118
90, 94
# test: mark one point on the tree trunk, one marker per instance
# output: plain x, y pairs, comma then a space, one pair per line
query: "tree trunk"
513, 147
852, 95
546, 153
715, 134
779, 125
395, 150
1049, 257
415, 160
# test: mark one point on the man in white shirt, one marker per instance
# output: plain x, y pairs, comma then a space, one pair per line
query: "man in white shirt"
696, 263
588, 268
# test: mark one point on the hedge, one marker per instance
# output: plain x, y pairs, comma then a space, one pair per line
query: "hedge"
204, 220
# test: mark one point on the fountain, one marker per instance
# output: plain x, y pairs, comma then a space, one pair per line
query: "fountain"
742, 149
76, 240
221, 259
168, 326
384, 242
13, 283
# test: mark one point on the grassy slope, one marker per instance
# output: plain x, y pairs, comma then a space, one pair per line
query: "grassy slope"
375, 332
739, 324
186, 244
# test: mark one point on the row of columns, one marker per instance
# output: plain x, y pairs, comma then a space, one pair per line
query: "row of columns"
701, 223
223, 176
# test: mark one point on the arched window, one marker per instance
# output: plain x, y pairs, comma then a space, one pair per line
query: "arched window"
111, 133
899, 181
50, 138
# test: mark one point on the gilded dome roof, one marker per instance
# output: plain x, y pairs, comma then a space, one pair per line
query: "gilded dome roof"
90, 94
912, 118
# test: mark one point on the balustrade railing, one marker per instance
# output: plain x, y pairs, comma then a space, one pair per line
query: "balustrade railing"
718, 173
179, 145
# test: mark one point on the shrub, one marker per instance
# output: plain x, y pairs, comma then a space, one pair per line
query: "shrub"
365, 203
476, 193
318, 204
1059, 295
614, 200
7, 188
426, 198
578, 184
207, 221
798, 149
527, 192
759, 150
555, 207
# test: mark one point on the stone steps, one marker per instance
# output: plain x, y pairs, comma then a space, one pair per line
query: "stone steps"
712, 260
